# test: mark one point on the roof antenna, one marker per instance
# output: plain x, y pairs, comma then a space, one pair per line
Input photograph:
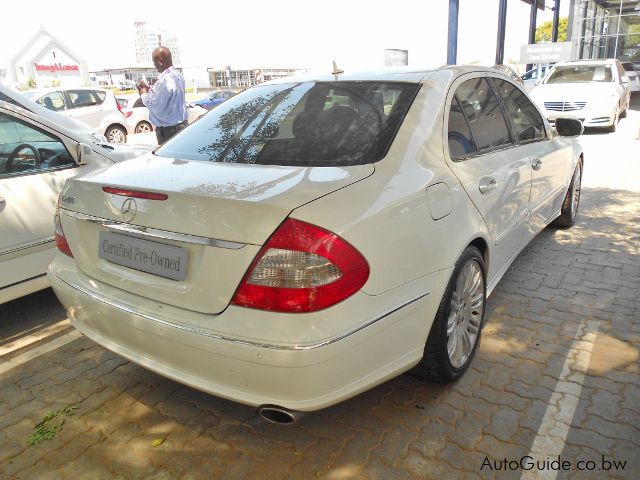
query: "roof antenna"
336, 71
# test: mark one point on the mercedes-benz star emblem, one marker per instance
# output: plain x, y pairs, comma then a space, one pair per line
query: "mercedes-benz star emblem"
129, 209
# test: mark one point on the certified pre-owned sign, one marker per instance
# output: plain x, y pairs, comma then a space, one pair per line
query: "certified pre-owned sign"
151, 257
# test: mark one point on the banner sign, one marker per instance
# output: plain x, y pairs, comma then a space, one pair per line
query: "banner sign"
545, 52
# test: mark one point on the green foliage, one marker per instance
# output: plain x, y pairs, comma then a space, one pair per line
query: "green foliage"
633, 40
543, 32
31, 82
51, 424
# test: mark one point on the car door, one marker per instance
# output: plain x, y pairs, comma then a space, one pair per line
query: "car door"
545, 154
481, 154
86, 106
34, 165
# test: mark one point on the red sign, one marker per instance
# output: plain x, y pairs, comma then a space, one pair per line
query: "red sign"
56, 67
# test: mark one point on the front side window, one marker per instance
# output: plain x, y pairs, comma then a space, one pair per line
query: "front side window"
580, 74
304, 124
525, 119
25, 148
53, 101
483, 113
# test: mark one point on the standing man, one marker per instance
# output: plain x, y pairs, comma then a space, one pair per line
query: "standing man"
165, 99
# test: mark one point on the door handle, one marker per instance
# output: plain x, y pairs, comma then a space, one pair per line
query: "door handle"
536, 163
487, 184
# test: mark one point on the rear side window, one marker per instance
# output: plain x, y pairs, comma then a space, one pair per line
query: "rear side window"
628, 67
483, 113
304, 124
525, 119
85, 98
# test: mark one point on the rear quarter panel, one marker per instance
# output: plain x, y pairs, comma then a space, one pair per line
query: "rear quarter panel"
387, 216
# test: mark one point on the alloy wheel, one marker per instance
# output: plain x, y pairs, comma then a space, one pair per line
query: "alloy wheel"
465, 313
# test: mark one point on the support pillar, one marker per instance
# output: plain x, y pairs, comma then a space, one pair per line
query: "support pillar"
452, 41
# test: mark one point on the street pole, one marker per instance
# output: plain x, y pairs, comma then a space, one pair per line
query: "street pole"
452, 43
502, 23
556, 21
533, 19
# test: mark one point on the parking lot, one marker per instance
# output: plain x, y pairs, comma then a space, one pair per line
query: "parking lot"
556, 379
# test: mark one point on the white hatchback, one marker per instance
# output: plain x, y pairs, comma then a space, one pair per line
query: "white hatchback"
313, 237
137, 113
39, 151
96, 107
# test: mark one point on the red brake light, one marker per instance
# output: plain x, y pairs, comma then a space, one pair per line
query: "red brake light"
128, 114
302, 268
120, 109
61, 241
135, 193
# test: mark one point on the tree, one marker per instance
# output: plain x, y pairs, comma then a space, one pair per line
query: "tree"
543, 32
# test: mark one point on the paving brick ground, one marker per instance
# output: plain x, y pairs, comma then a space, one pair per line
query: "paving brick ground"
585, 279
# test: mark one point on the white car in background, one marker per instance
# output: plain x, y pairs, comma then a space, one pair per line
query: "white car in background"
594, 91
138, 115
39, 151
96, 107
634, 76
315, 236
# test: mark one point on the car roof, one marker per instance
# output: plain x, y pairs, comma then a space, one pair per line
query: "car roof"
604, 61
390, 74
63, 89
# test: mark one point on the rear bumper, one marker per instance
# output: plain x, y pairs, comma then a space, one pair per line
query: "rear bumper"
302, 377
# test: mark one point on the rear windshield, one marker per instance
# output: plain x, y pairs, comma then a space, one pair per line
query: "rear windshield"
581, 74
303, 124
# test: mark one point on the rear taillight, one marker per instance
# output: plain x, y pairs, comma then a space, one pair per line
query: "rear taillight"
128, 114
120, 109
302, 268
61, 241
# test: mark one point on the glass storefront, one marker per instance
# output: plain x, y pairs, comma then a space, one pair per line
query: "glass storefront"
606, 29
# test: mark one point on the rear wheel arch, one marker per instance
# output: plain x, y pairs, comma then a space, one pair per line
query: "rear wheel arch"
482, 245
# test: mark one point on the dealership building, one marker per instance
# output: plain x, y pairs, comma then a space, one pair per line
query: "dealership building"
44, 61
605, 29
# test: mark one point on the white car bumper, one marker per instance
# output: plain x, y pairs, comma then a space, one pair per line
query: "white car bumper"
301, 377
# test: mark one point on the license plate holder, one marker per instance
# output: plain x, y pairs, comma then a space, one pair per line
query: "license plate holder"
156, 258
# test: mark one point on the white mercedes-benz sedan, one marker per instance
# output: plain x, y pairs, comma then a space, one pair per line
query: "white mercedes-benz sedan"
594, 91
313, 237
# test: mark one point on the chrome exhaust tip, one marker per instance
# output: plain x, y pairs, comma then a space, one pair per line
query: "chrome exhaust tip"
279, 415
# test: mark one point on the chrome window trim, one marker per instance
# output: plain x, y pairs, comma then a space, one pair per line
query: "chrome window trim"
154, 232
210, 334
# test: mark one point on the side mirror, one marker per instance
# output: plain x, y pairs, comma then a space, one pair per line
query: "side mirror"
569, 127
83, 152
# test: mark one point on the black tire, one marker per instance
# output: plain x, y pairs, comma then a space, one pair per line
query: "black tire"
143, 127
436, 364
614, 125
116, 134
571, 202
